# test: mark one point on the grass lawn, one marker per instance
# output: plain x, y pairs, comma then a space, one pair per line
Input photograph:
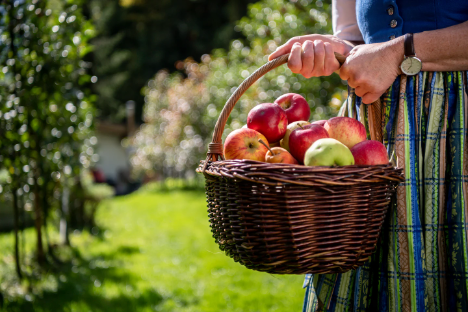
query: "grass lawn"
153, 252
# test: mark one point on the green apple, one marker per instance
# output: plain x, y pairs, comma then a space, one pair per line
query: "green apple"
291, 127
328, 152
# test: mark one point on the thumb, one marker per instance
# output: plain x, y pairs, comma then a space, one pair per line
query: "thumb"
285, 48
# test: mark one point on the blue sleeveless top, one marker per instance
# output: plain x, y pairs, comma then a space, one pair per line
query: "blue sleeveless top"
382, 20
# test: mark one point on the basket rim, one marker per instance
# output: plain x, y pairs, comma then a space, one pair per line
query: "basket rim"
280, 173
249, 161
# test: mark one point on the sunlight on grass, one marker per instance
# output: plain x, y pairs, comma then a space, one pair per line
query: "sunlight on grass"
154, 252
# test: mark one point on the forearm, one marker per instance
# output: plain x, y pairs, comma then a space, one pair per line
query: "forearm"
443, 49
372, 68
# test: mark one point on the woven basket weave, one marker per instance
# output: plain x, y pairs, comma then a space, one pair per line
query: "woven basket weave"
293, 219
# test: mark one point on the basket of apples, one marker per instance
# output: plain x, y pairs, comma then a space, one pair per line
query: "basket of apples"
288, 196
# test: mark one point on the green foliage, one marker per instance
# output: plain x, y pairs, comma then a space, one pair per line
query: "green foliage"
137, 38
46, 111
180, 113
46, 114
152, 252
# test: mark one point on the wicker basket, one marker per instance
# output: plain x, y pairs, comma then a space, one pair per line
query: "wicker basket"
293, 219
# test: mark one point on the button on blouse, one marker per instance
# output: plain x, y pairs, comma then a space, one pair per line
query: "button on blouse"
383, 20
390, 10
379, 20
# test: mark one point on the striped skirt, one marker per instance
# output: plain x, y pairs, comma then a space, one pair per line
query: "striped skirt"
421, 259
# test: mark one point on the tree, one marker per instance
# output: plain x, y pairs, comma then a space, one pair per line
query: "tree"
181, 110
46, 114
137, 38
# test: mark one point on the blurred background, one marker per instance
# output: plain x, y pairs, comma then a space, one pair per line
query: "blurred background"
106, 109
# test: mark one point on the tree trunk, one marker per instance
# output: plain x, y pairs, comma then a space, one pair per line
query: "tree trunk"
81, 205
22, 227
16, 226
11, 27
38, 224
45, 213
64, 216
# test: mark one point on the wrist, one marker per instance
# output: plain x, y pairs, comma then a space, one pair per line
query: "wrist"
396, 52
417, 38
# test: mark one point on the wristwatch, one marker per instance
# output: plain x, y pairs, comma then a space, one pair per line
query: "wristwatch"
411, 65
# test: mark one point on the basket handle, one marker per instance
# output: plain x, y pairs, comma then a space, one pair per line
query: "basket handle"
215, 148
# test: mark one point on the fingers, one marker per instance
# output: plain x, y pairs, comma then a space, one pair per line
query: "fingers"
368, 72
311, 58
364, 91
285, 48
295, 58
318, 59
337, 44
319, 50
344, 73
308, 58
370, 98
360, 91
330, 63
360, 88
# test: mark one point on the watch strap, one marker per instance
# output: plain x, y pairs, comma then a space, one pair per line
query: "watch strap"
409, 45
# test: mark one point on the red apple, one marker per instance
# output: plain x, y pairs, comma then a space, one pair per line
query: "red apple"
370, 152
269, 119
295, 106
347, 130
243, 144
278, 155
291, 127
319, 122
302, 138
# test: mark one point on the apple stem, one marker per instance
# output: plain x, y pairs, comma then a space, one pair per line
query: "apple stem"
300, 126
266, 145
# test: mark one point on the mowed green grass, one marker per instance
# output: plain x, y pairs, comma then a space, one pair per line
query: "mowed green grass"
153, 252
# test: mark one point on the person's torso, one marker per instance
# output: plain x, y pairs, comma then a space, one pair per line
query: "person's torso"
382, 20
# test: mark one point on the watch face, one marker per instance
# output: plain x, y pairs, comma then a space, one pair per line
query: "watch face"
411, 66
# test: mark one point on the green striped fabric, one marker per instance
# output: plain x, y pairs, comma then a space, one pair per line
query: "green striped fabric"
421, 259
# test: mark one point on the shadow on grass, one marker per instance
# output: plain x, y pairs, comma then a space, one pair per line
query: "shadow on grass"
79, 286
